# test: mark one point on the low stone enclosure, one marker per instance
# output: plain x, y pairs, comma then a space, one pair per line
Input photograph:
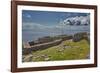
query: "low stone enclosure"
27, 48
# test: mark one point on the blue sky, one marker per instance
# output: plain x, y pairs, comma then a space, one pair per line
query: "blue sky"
36, 24
47, 17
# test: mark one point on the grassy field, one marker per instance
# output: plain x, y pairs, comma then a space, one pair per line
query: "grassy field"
67, 50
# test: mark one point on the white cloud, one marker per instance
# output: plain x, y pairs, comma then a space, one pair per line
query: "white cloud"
29, 16
31, 26
75, 20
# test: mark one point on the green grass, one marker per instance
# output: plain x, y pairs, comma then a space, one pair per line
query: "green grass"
72, 51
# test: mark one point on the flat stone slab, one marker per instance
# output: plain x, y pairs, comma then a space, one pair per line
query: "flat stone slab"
47, 59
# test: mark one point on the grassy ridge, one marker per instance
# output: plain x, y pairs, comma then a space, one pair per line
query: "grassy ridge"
67, 50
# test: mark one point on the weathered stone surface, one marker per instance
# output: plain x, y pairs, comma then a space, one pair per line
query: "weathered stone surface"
27, 58
41, 46
80, 36
60, 50
88, 56
47, 59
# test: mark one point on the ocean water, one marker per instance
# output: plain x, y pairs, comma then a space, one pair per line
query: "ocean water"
34, 35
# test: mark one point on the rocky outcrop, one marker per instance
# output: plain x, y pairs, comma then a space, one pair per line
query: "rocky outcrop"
79, 36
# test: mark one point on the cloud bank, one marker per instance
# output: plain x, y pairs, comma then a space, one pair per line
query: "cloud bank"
71, 23
77, 20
